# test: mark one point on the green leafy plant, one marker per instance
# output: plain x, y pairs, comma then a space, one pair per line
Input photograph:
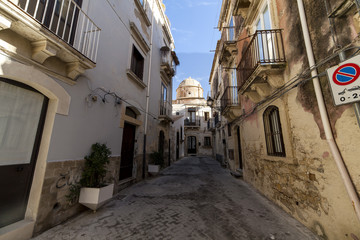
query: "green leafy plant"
95, 166
157, 158
74, 192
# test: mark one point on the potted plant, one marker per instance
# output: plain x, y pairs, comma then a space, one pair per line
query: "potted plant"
94, 191
157, 160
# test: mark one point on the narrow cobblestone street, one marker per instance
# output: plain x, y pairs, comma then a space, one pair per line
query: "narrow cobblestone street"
193, 199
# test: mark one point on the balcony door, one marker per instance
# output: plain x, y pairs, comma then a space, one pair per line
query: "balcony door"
264, 39
48, 13
192, 116
22, 116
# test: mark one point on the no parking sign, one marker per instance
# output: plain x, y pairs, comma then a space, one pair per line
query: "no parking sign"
345, 82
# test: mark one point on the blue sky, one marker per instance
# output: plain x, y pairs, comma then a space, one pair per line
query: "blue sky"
192, 26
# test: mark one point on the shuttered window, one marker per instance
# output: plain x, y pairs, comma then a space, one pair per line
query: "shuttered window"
137, 63
273, 132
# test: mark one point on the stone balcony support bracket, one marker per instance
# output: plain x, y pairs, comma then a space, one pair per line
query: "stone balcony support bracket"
263, 89
42, 50
253, 96
74, 69
5, 23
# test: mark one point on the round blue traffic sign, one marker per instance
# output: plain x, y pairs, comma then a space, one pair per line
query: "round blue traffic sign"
346, 74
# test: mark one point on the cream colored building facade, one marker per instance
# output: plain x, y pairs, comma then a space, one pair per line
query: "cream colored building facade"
191, 115
73, 73
279, 122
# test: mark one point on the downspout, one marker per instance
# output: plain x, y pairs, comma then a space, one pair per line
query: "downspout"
148, 91
324, 117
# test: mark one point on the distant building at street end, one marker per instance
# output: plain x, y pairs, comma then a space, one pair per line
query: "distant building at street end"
191, 118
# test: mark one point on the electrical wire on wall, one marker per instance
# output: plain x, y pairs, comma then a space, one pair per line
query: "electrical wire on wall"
104, 96
296, 81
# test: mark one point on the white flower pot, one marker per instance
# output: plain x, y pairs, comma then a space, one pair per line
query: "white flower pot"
152, 168
94, 198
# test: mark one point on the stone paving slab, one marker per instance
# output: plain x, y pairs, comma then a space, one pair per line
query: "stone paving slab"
192, 199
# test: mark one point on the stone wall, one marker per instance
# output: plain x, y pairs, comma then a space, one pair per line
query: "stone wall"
306, 183
55, 207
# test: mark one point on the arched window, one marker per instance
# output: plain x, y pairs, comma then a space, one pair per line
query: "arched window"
131, 113
273, 133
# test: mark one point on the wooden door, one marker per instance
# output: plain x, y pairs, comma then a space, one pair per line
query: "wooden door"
127, 151
177, 144
239, 147
191, 145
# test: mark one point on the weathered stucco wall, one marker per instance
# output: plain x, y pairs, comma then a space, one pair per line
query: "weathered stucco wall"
306, 183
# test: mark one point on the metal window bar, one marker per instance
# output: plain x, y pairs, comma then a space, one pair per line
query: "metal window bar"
265, 47
66, 20
165, 108
273, 134
229, 97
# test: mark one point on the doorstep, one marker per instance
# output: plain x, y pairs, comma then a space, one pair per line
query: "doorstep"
18, 231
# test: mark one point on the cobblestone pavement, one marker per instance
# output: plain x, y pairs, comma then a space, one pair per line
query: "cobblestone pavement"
192, 199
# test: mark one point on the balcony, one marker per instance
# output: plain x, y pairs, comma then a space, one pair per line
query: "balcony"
59, 29
230, 107
241, 7
262, 64
211, 124
192, 123
165, 111
168, 64
228, 52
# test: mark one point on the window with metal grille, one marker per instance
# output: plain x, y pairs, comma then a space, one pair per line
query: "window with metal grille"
207, 142
206, 116
273, 133
137, 63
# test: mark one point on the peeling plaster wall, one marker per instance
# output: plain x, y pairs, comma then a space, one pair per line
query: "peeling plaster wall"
306, 183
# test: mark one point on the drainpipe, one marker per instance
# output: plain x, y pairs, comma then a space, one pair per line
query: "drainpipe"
148, 91
324, 117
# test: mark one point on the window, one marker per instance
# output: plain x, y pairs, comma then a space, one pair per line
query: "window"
231, 31
207, 142
137, 63
163, 93
206, 116
131, 113
192, 115
229, 129
163, 101
265, 39
273, 133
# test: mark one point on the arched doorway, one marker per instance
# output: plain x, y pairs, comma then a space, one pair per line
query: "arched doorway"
22, 116
191, 144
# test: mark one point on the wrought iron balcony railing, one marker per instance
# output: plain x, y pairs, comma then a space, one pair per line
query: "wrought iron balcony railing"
67, 21
229, 97
165, 108
191, 123
211, 124
265, 48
